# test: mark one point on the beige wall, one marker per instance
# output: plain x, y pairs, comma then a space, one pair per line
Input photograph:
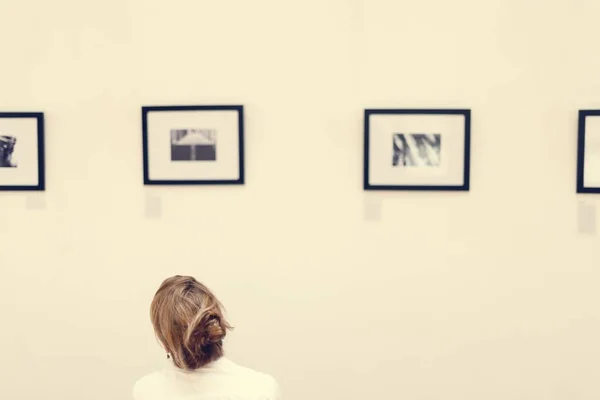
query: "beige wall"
491, 294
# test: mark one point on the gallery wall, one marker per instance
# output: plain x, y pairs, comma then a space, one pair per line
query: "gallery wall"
339, 293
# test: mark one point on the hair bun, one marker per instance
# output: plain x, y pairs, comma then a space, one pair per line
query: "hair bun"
211, 331
205, 341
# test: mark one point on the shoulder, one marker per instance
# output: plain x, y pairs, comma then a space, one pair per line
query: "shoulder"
147, 386
267, 387
263, 385
274, 389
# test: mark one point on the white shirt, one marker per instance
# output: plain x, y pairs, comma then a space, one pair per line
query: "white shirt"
219, 380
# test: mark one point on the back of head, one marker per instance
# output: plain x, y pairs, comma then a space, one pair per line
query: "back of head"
189, 322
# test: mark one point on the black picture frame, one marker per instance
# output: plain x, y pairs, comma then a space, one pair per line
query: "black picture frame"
41, 152
581, 147
241, 155
465, 186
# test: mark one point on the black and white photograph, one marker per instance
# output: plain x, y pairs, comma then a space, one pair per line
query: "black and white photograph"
22, 151
7, 151
588, 152
417, 149
193, 145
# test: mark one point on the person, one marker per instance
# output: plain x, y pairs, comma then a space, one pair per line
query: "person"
190, 325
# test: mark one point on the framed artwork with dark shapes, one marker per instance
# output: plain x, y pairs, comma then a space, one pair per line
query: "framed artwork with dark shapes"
193, 145
588, 152
417, 149
22, 156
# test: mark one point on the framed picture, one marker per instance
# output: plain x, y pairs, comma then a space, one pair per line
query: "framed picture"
588, 152
193, 145
417, 149
22, 151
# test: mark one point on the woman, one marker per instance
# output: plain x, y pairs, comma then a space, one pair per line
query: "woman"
189, 323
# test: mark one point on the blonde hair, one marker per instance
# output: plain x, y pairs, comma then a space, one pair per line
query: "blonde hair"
188, 321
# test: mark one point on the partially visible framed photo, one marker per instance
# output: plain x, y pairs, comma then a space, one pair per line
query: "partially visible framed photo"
193, 145
588, 152
419, 149
22, 151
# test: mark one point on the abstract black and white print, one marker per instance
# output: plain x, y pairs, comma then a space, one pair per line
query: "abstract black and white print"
416, 150
193, 145
7, 149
